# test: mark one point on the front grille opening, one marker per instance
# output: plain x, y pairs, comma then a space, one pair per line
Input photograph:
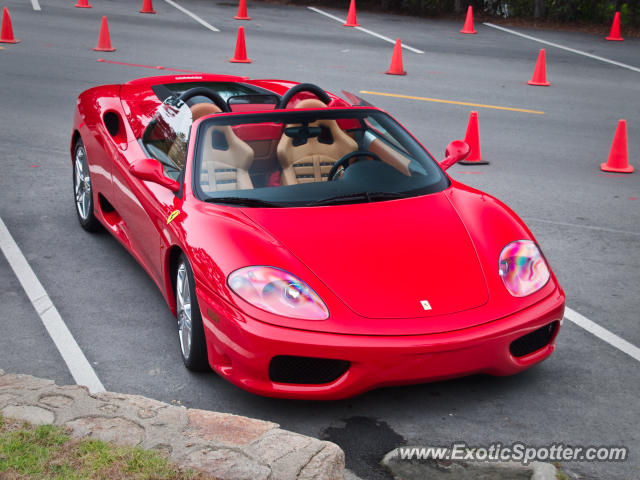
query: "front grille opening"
533, 341
306, 370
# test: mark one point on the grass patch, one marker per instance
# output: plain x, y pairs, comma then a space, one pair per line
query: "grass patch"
35, 452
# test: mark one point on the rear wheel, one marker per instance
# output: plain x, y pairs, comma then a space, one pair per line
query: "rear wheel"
190, 329
82, 189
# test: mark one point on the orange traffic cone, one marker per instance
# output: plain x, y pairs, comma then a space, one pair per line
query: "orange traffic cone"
82, 4
6, 30
240, 55
396, 60
104, 40
147, 7
352, 21
618, 160
472, 138
614, 35
468, 23
242, 11
540, 73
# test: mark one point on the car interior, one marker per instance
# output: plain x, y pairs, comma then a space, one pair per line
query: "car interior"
258, 154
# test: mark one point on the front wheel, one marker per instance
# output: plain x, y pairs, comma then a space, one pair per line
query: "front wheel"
82, 190
190, 329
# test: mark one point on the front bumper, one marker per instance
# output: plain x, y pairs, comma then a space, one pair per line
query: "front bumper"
241, 348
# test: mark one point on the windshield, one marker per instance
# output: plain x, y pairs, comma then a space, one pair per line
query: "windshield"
310, 158
166, 136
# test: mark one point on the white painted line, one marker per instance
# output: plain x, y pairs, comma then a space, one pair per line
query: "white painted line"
36, 5
377, 35
588, 227
562, 47
603, 334
77, 363
192, 15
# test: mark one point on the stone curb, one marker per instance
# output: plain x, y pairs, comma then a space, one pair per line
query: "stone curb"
464, 470
229, 447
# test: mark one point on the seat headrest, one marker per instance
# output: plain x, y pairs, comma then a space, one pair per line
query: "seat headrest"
201, 109
310, 103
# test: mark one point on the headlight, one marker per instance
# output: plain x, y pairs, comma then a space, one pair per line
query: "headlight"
277, 291
522, 268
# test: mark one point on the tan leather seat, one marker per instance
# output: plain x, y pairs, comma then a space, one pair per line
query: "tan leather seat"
312, 161
226, 158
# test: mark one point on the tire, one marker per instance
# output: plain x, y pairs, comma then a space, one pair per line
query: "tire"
190, 329
82, 192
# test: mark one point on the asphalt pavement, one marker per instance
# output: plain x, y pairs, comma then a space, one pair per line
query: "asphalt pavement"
545, 166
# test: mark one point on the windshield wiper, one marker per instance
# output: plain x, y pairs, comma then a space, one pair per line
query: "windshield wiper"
247, 202
360, 196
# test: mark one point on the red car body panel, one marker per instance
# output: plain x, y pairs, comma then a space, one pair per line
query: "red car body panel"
350, 255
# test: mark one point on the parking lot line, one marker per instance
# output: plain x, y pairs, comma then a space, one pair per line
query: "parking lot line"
372, 33
562, 47
192, 15
602, 333
77, 363
454, 102
35, 5
588, 227
140, 65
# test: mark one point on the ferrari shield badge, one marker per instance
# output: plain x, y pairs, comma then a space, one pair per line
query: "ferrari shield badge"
425, 304
172, 216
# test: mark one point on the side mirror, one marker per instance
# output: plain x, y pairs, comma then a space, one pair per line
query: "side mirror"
151, 170
456, 151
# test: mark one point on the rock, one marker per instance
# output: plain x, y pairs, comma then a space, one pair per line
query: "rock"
227, 464
7, 398
270, 448
29, 413
430, 469
225, 428
327, 464
118, 430
26, 382
228, 447
56, 401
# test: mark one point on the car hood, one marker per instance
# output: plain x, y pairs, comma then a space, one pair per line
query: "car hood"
395, 259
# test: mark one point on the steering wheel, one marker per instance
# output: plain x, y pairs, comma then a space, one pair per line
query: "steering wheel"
205, 92
343, 161
304, 87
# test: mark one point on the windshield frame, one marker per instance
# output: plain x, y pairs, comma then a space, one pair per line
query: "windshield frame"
299, 115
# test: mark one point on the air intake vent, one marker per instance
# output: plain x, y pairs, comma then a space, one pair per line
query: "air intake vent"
533, 341
306, 370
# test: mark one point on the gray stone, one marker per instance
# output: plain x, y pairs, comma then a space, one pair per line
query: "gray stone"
285, 452
225, 428
29, 413
7, 398
56, 401
228, 447
118, 430
25, 382
73, 389
431, 469
108, 408
227, 464
277, 444
543, 471
164, 448
327, 464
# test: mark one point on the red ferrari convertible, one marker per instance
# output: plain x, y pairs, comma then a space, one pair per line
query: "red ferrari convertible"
309, 247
